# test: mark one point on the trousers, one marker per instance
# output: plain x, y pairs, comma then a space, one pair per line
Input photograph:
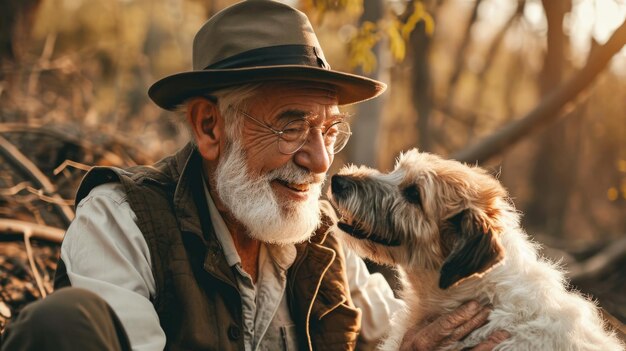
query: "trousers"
68, 319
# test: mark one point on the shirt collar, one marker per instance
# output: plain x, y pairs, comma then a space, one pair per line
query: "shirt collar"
221, 231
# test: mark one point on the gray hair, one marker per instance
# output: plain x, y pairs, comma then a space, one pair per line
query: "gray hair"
229, 101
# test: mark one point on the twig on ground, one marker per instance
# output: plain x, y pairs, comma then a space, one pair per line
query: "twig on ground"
35, 175
37, 231
70, 163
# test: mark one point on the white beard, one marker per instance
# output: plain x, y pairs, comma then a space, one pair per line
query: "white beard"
253, 202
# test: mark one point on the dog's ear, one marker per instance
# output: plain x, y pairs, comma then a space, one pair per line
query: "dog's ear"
472, 245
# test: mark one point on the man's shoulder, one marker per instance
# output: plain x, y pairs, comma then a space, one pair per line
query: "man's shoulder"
126, 178
108, 191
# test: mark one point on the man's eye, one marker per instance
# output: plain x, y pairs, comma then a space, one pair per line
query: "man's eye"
295, 129
332, 131
299, 129
331, 135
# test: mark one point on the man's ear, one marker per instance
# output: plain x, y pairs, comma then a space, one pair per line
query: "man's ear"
474, 248
207, 124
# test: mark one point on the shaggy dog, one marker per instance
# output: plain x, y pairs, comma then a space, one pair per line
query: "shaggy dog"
455, 236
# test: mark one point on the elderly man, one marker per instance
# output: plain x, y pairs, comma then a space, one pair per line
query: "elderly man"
226, 245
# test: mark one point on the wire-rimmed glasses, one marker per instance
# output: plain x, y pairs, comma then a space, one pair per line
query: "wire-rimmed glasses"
295, 134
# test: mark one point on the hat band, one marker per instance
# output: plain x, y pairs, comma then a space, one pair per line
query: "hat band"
304, 55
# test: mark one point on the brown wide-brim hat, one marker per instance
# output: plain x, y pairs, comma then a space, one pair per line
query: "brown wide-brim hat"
256, 41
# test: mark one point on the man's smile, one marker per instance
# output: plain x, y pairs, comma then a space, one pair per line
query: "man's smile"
299, 187
292, 191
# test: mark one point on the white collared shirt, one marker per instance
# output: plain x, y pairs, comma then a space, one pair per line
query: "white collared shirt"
105, 252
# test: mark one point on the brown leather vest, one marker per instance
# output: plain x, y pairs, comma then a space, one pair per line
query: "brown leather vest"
197, 299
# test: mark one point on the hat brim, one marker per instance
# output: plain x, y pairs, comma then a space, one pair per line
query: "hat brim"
171, 91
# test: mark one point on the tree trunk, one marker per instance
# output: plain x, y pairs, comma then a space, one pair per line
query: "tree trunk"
421, 84
16, 19
554, 170
364, 145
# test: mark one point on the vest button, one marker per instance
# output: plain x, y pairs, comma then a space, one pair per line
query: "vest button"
234, 333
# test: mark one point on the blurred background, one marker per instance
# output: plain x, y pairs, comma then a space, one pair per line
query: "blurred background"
533, 90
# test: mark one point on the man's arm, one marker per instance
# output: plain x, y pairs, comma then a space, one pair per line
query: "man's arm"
452, 327
105, 252
373, 295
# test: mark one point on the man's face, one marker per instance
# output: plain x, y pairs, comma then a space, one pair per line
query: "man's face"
272, 194
276, 105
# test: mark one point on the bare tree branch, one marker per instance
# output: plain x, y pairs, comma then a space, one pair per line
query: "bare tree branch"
498, 39
548, 109
460, 55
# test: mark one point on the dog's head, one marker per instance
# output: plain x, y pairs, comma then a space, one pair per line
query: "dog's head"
428, 213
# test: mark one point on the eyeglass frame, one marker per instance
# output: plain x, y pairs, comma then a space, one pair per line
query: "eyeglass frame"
279, 133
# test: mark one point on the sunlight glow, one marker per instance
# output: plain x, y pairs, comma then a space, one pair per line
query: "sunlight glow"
596, 19
588, 19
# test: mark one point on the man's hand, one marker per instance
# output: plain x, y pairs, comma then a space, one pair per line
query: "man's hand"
452, 327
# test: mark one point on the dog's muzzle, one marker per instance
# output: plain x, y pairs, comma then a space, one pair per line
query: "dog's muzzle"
342, 187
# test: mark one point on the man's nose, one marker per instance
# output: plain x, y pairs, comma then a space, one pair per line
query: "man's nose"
313, 155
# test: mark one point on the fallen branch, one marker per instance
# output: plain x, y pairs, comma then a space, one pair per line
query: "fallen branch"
36, 176
597, 263
70, 163
31, 260
549, 108
37, 231
54, 199
39, 193
14, 190
102, 152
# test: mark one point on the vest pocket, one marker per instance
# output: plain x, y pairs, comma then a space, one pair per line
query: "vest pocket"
289, 337
279, 338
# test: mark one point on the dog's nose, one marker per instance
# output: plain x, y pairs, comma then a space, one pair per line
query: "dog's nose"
340, 184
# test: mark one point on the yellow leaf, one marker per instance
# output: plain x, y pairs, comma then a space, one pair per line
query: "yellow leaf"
361, 46
396, 42
419, 14
429, 24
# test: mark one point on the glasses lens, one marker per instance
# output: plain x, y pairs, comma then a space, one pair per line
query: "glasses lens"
295, 133
293, 136
336, 136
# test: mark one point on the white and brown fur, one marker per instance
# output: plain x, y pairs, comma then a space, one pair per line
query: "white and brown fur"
455, 236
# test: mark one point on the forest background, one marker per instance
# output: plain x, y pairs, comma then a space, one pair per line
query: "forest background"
533, 90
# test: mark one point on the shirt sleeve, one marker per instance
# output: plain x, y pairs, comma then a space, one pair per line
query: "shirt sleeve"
373, 295
105, 252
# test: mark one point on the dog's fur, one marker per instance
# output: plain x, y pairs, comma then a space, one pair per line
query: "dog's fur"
455, 236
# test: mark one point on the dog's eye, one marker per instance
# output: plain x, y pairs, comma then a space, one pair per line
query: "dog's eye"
412, 195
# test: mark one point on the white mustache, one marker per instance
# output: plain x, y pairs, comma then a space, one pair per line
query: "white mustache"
291, 173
